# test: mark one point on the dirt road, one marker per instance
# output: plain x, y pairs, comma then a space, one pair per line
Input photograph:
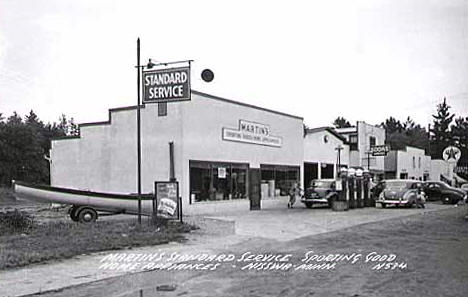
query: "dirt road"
430, 250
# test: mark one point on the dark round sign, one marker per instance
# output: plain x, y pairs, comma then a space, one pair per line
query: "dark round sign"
207, 75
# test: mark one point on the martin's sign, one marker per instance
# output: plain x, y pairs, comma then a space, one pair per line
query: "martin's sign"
166, 85
250, 132
379, 150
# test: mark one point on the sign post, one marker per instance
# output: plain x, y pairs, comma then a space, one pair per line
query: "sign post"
451, 155
159, 85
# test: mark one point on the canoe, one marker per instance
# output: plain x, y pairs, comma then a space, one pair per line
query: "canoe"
110, 202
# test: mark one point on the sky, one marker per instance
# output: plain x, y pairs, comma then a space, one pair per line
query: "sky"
363, 60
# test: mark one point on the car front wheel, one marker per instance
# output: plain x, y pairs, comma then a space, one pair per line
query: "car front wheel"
309, 204
446, 199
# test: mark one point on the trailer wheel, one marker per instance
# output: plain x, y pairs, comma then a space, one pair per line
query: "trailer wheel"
87, 215
74, 213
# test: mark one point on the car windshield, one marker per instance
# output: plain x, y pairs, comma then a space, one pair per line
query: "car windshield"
397, 185
321, 184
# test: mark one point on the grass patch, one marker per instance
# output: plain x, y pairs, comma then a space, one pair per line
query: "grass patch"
15, 221
6, 195
34, 243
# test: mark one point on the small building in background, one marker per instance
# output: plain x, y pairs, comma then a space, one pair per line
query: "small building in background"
408, 163
361, 138
322, 148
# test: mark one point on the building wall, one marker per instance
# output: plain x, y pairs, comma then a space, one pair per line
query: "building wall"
365, 131
203, 121
438, 168
359, 157
414, 169
104, 157
316, 150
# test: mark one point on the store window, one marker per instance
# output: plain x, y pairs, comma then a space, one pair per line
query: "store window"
283, 176
371, 141
353, 142
327, 170
212, 181
414, 162
162, 109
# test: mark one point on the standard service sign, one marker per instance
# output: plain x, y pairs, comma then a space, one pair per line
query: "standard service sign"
166, 85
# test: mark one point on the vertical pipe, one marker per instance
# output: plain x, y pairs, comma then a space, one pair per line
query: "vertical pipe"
138, 134
171, 161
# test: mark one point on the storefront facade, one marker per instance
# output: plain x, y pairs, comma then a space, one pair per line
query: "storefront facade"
217, 143
324, 151
361, 138
409, 163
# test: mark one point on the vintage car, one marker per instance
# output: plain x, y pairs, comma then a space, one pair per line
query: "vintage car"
440, 191
464, 187
320, 191
401, 192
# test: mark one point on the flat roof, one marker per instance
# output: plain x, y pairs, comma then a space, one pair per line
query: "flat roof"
196, 93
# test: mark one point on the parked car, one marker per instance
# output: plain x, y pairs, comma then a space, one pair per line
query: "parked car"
320, 191
464, 187
437, 190
401, 192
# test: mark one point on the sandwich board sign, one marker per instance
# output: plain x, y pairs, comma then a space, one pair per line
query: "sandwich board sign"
167, 199
166, 85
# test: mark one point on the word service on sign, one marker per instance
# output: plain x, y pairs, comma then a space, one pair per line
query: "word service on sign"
166, 85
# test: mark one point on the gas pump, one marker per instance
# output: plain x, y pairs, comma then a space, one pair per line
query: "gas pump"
344, 185
366, 187
351, 187
341, 204
359, 180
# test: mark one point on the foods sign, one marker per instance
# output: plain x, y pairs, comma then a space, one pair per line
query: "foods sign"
379, 150
166, 85
250, 132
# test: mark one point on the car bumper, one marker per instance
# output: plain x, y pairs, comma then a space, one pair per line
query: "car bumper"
314, 200
392, 201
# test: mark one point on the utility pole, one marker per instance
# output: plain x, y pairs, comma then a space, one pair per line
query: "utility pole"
138, 133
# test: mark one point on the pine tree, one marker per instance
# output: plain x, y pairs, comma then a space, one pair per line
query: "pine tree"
460, 137
441, 135
341, 122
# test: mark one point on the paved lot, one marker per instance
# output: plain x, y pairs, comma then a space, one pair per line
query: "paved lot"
275, 222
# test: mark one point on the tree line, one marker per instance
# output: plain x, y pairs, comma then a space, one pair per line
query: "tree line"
446, 129
25, 145
25, 142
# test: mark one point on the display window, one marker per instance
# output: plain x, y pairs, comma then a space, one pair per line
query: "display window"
284, 176
213, 181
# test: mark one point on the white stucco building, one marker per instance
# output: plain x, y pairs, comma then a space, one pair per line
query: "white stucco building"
216, 142
409, 163
321, 153
361, 138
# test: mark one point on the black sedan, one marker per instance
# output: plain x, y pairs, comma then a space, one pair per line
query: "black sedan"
436, 191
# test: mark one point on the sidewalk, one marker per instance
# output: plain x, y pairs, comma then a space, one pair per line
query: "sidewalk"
269, 224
